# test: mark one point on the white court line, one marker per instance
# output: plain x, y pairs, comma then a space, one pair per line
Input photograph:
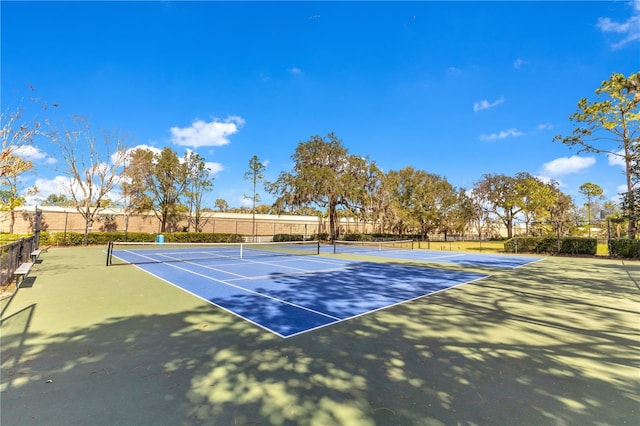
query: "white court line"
165, 255
251, 291
529, 263
292, 274
499, 258
444, 256
241, 261
211, 302
285, 259
177, 259
216, 269
336, 320
400, 254
385, 307
277, 261
280, 263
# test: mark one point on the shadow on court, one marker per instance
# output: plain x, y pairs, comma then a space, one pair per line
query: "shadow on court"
292, 303
555, 342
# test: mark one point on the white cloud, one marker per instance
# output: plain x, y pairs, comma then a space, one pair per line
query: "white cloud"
545, 126
214, 167
201, 133
501, 135
143, 146
519, 63
629, 29
546, 179
33, 153
246, 201
617, 197
296, 71
119, 157
567, 165
57, 185
115, 157
485, 104
617, 160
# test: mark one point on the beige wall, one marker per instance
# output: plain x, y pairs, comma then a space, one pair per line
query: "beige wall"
59, 219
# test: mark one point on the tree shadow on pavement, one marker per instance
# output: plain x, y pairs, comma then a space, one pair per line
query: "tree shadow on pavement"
552, 343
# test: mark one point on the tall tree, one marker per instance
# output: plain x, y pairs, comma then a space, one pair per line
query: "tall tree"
381, 209
325, 174
13, 167
18, 130
480, 217
134, 199
60, 200
561, 213
591, 191
221, 205
537, 199
461, 215
157, 182
362, 189
199, 182
92, 164
424, 199
256, 175
609, 125
503, 196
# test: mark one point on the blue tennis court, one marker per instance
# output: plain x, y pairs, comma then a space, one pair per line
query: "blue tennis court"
460, 258
289, 295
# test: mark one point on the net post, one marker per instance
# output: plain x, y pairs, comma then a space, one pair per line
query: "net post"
412, 242
109, 251
334, 247
318, 247
241, 253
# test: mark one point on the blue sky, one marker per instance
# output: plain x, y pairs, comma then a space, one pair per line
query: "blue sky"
458, 89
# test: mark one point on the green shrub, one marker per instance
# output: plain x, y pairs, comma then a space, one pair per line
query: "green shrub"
624, 247
588, 246
201, 237
9, 238
61, 238
278, 238
526, 245
549, 245
357, 237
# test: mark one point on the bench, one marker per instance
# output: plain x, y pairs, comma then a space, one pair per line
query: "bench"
35, 254
22, 272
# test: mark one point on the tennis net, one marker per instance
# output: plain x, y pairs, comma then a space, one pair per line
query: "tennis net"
137, 253
369, 246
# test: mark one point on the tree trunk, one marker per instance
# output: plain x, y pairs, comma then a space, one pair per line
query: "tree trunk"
126, 224
334, 229
87, 227
12, 221
631, 205
509, 224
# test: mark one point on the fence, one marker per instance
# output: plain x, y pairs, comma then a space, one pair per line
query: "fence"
14, 254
